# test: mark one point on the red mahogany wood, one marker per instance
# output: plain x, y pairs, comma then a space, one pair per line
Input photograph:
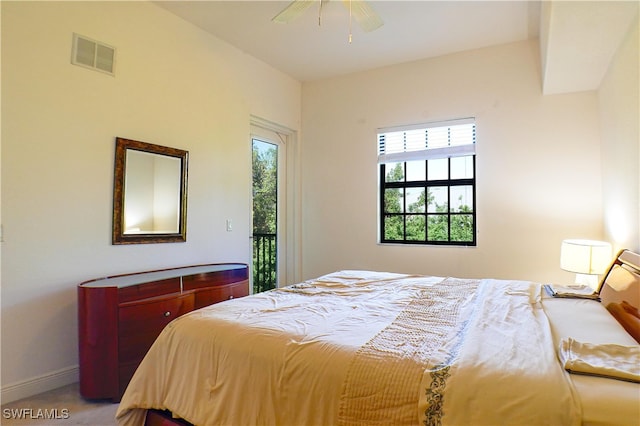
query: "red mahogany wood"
163, 418
120, 317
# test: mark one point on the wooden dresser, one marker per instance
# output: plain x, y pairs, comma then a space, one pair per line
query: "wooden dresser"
119, 317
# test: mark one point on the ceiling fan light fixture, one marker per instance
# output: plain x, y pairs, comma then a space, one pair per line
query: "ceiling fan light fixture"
360, 10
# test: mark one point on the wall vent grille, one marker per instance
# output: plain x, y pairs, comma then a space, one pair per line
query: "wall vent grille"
93, 54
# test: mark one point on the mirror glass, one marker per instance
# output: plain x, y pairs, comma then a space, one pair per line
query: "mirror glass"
149, 193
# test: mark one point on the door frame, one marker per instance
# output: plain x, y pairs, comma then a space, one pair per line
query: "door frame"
288, 210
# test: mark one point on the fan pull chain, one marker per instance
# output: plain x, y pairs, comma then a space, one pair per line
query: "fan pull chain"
320, 13
350, 23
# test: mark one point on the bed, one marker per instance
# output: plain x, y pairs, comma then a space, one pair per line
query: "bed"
366, 348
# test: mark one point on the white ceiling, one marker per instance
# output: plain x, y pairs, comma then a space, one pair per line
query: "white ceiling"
412, 30
578, 38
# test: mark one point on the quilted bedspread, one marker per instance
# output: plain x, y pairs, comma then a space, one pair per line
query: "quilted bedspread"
360, 348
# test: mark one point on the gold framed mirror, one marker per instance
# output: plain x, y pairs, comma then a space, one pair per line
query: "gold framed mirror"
149, 193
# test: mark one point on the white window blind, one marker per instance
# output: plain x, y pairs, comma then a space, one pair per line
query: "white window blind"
444, 139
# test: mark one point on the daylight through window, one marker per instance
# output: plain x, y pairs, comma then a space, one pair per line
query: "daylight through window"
427, 183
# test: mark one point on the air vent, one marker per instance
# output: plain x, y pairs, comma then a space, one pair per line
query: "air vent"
93, 54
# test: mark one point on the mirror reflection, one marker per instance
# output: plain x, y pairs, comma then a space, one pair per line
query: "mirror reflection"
152, 193
149, 193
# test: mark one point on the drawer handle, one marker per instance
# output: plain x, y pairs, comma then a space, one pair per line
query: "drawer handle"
166, 314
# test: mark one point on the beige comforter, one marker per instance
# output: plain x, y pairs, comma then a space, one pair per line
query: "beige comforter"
359, 347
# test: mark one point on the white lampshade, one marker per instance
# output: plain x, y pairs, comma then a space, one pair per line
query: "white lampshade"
585, 256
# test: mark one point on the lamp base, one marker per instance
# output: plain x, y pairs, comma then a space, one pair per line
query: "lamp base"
588, 280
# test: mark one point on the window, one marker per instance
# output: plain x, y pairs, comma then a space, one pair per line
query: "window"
427, 183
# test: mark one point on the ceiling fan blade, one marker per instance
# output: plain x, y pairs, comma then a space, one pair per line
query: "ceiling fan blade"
365, 16
293, 10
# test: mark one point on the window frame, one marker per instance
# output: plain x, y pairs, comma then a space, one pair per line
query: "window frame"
425, 155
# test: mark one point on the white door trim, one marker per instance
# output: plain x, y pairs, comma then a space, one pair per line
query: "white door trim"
289, 250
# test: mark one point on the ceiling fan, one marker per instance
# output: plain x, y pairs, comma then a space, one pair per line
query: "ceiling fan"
359, 10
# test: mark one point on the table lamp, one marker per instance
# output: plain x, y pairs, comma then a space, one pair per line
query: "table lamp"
587, 258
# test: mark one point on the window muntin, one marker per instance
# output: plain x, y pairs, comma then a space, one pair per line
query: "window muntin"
427, 184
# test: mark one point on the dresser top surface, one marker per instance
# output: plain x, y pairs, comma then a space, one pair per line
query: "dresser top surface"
127, 280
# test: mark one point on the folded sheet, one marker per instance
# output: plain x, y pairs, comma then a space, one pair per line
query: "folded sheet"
607, 360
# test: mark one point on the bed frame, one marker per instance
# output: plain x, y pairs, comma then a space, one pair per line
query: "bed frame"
622, 280
620, 291
163, 418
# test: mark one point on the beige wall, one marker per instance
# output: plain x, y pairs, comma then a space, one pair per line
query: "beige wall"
619, 107
538, 164
175, 85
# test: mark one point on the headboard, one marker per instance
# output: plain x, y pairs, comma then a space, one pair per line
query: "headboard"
620, 291
622, 280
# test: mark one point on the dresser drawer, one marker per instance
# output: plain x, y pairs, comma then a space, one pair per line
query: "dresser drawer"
220, 293
141, 322
125, 373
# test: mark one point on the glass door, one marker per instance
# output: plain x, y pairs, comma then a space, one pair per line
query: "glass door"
265, 166
275, 229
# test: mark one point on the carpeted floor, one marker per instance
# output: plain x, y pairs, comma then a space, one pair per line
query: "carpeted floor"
59, 407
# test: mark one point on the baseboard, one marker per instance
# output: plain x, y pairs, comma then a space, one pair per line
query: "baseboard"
39, 384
